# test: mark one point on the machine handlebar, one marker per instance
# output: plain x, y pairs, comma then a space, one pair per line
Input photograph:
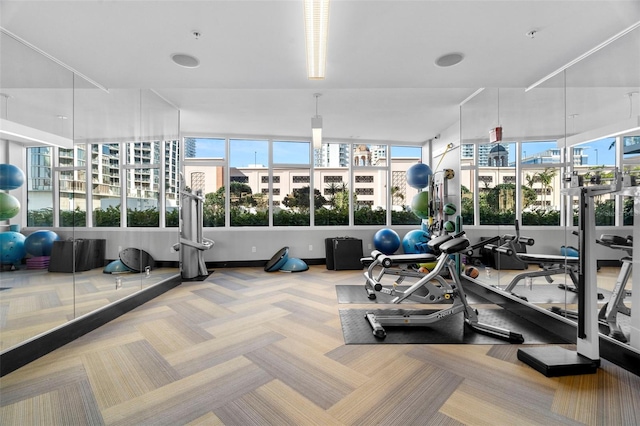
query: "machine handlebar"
521, 240
499, 249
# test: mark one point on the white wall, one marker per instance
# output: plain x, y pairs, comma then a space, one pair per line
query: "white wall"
230, 244
236, 244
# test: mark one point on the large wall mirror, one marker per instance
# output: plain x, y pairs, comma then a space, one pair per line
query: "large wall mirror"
582, 121
100, 167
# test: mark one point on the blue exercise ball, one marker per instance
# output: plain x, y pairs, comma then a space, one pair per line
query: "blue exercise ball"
386, 240
418, 175
40, 243
11, 177
415, 242
11, 247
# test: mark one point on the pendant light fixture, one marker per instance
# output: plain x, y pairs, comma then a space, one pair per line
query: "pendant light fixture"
316, 126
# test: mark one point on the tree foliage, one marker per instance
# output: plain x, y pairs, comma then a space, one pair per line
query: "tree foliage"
299, 199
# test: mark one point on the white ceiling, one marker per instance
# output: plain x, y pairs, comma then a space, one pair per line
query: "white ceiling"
381, 81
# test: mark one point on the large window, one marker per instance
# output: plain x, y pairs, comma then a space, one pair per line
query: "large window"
401, 194
371, 187
248, 158
332, 179
204, 170
263, 183
292, 194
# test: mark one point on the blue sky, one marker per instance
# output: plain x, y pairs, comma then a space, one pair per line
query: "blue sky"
246, 152
598, 152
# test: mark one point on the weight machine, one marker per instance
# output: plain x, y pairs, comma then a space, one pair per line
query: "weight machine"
431, 288
609, 312
556, 361
192, 243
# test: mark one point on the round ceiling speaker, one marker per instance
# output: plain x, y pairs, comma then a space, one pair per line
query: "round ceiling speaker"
185, 60
449, 60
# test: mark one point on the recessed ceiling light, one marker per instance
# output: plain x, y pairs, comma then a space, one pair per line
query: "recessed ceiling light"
449, 59
185, 60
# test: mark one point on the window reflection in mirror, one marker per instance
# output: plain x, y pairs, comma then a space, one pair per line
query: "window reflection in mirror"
631, 168
496, 176
468, 185
596, 163
105, 170
541, 172
39, 186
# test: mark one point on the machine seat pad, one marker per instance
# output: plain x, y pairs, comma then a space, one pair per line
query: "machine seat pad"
399, 259
455, 245
614, 240
547, 258
438, 241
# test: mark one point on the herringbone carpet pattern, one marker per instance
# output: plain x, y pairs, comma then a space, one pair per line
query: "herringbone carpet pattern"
245, 347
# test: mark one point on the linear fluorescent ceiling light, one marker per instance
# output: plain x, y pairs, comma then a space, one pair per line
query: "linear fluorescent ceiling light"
316, 126
316, 28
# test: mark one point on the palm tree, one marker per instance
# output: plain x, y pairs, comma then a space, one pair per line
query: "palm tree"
531, 179
332, 189
341, 200
545, 178
396, 194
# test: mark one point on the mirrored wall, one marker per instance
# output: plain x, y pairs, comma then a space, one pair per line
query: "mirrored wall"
92, 170
583, 122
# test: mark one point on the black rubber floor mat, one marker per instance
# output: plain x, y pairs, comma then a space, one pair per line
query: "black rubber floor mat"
356, 294
551, 293
450, 330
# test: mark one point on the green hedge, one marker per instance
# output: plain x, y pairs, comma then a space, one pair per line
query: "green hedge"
110, 217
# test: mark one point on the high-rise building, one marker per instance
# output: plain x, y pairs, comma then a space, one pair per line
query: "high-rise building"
332, 155
142, 182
